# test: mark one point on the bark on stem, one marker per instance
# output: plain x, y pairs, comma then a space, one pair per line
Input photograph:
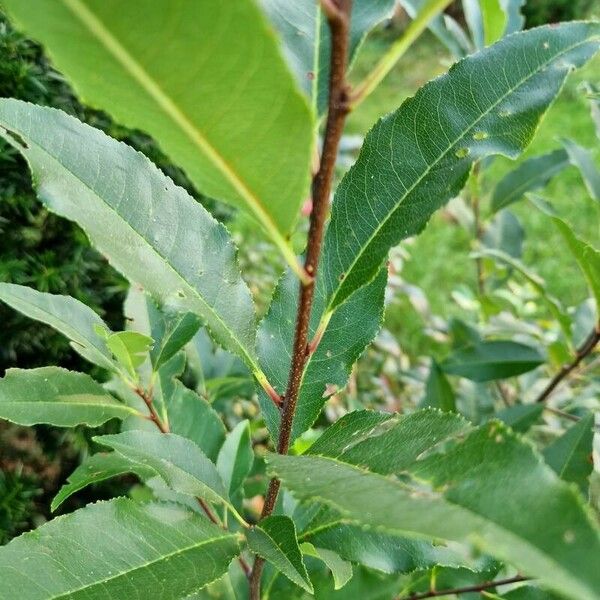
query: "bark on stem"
584, 350
338, 18
472, 588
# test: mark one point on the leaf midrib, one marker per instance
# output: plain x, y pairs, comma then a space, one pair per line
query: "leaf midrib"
97, 29
87, 588
442, 156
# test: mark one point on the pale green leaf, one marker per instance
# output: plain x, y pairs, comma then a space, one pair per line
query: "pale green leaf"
489, 360
94, 469
137, 217
67, 315
473, 11
571, 454
218, 97
488, 488
495, 20
182, 465
57, 397
505, 233
115, 550
274, 538
236, 457
593, 95
531, 174
583, 159
306, 39
340, 569
130, 349
342, 337
417, 158
514, 17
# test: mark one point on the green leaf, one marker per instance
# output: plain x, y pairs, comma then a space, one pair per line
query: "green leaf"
587, 257
438, 391
515, 19
111, 550
183, 466
130, 349
274, 538
505, 234
220, 101
172, 332
489, 360
489, 488
593, 94
57, 397
148, 238
192, 417
417, 158
375, 549
532, 174
340, 569
521, 417
570, 456
94, 469
474, 18
495, 20
583, 159
236, 457
344, 334
306, 39
65, 314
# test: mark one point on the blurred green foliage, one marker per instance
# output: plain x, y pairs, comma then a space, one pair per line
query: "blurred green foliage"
538, 12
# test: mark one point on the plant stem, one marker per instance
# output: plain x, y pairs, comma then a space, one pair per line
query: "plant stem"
477, 226
584, 350
338, 18
397, 50
464, 590
148, 401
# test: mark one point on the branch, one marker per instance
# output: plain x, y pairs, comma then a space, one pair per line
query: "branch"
153, 416
338, 18
584, 350
397, 50
471, 588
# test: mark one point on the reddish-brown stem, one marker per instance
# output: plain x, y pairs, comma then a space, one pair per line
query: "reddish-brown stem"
464, 590
584, 350
153, 416
338, 18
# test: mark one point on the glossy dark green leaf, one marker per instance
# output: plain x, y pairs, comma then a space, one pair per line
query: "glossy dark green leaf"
583, 159
532, 174
438, 391
182, 465
274, 538
491, 360
58, 397
220, 101
96, 468
571, 454
148, 237
489, 488
343, 337
306, 40
521, 416
236, 457
190, 416
171, 333
114, 550
417, 158
67, 315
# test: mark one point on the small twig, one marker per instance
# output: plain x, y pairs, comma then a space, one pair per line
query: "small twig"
464, 590
584, 350
153, 416
338, 18
477, 227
